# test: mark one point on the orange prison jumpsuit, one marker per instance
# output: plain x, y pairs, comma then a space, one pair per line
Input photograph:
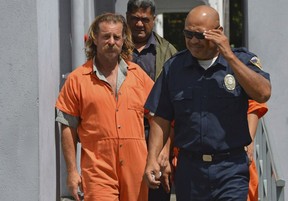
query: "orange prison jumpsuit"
260, 109
113, 153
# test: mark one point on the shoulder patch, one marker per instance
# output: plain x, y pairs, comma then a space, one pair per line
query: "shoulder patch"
256, 62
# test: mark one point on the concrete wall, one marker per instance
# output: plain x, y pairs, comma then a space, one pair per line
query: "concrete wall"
121, 7
268, 38
48, 86
19, 100
29, 75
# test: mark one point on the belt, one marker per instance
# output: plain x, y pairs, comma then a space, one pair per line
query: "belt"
212, 156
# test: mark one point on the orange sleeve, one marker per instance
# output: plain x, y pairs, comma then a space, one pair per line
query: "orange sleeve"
259, 108
68, 100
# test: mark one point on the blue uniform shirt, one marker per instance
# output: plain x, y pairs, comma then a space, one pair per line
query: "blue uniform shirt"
209, 116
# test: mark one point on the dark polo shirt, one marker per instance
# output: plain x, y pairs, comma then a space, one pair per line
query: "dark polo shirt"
146, 59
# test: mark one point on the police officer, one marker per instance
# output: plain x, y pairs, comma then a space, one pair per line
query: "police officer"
205, 90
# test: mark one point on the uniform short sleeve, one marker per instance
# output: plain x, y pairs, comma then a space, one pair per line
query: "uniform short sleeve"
251, 60
158, 101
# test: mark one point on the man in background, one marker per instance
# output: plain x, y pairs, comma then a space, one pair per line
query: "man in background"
150, 53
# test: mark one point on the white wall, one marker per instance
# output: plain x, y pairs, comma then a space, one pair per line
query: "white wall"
19, 100
48, 69
268, 38
29, 74
121, 7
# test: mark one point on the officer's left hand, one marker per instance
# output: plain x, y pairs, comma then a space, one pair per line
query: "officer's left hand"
250, 152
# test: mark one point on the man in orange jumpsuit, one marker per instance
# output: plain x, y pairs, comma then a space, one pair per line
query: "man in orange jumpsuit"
101, 104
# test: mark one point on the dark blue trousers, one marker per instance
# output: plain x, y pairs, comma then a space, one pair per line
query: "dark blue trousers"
224, 180
158, 194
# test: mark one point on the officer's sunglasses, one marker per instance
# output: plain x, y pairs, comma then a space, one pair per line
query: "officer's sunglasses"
198, 35
191, 34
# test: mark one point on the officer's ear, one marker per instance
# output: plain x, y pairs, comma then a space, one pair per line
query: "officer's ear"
221, 28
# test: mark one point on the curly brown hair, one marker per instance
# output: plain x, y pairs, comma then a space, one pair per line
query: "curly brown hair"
128, 46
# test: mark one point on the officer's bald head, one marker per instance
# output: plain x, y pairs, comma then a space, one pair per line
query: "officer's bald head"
204, 16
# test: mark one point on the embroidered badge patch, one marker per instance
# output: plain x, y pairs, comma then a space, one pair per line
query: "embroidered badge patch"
256, 61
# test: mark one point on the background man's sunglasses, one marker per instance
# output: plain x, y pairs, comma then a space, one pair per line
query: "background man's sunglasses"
191, 34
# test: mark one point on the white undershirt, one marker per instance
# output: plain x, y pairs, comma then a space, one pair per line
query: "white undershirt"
207, 63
